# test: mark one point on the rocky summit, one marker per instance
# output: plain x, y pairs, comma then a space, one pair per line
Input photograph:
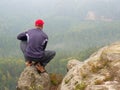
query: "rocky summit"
101, 71
30, 79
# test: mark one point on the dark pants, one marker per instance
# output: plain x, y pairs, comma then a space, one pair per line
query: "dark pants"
48, 55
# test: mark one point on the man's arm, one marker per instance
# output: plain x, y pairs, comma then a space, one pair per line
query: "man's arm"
45, 44
22, 36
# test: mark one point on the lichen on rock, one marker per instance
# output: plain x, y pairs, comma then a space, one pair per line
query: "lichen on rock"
101, 71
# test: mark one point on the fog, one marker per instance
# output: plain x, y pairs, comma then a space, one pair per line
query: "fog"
21, 14
72, 25
69, 8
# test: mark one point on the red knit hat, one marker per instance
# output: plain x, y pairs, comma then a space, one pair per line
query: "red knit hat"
39, 22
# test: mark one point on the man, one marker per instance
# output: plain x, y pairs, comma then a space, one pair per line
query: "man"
33, 45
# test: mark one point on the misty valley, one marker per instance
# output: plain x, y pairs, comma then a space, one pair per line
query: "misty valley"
76, 29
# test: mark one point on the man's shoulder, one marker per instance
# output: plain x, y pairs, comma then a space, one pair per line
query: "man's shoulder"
45, 35
31, 29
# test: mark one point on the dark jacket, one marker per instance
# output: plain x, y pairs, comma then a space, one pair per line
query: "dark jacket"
36, 42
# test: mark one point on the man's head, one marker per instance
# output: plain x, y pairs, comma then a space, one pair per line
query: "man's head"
39, 23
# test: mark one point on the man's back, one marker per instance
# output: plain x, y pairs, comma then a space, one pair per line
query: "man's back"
36, 42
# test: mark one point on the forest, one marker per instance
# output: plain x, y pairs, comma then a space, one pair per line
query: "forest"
76, 29
79, 43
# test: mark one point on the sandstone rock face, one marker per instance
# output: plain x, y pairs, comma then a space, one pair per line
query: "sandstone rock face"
101, 71
30, 79
73, 63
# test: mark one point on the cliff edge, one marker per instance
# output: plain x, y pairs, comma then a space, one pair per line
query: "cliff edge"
101, 71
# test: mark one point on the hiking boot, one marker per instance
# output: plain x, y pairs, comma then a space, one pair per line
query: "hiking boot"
40, 68
28, 63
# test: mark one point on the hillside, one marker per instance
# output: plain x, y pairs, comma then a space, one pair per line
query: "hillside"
80, 23
76, 28
83, 35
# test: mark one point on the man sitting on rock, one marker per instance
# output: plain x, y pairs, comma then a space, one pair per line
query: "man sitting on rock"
33, 44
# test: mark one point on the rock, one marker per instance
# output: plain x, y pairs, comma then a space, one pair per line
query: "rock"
30, 79
72, 63
103, 87
101, 71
